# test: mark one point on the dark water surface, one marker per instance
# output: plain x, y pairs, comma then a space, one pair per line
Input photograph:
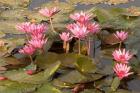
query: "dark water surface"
37, 3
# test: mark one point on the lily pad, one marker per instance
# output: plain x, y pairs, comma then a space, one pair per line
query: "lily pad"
16, 3
41, 77
47, 87
9, 27
15, 87
86, 65
43, 61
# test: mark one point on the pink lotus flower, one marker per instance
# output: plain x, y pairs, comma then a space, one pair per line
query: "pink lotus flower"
2, 78
122, 70
30, 72
81, 17
122, 56
121, 35
79, 31
37, 29
24, 27
32, 28
49, 12
27, 49
37, 43
2, 43
65, 36
93, 28
37, 36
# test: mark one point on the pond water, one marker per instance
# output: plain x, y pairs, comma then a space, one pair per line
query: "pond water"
36, 3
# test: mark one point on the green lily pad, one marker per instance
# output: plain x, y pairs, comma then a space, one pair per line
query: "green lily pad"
2, 34
86, 65
76, 77
9, 27
8, 86
91, 91
43, 61
15, 14
16, 3
41, 77
47, 87
62, 84
123, 91
65, 7
68, 60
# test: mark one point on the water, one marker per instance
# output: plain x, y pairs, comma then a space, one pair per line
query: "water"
37, 3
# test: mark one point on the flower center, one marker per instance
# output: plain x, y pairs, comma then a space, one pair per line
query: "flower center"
121, 74
122, 57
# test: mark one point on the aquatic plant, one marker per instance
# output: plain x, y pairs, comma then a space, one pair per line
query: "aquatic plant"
58, 49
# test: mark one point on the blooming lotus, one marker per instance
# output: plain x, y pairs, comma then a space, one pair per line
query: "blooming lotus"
37, 43
37, 29
122, 70
122, 56
81, 17
24, 27
49, 12
3, 78
27, 49
65, 36
2, 43
32, 28
93, 28
79, 31
122, 35
30, 72
37, 36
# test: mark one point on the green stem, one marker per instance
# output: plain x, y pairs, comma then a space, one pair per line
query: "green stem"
67, 47
52, 25
31, 59
27, 37
43, 51
88, 46
79, 46
120, 45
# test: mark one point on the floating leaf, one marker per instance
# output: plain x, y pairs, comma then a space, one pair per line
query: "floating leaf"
41, 77
9, 27
15, 87
62, 84
43, 61
68, 60
2, 34
15, 3
91, 91
86, 65
47, 87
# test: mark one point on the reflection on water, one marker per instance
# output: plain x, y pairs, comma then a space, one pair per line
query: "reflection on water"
134, 85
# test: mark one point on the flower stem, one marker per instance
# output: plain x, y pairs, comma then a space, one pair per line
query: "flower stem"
31, 59
64, 45
43, 51
88, 51
120, 45
79, 52
67, 47
52, 25
27, 37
